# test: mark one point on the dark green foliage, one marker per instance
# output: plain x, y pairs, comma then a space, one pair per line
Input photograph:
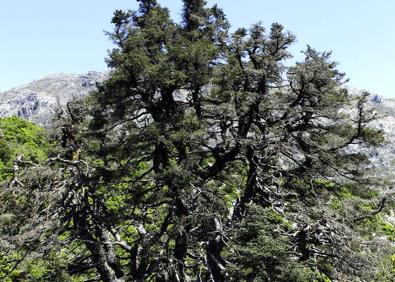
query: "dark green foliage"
204, 158
260, 249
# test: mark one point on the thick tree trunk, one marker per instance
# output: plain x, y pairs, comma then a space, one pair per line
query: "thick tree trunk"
252, 192
107, 273
215, 262
103, 255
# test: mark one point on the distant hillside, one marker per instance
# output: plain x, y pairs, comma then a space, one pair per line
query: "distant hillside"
384, 158
37, 100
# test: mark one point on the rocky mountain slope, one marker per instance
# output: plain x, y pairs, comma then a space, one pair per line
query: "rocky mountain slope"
38, 100
383, 158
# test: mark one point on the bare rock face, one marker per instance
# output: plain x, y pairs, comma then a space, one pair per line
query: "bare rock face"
383, 158
38, 100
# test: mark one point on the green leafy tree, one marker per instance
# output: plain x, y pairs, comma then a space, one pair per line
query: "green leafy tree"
19, 137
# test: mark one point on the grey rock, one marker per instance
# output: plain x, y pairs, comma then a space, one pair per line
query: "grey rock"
38, 100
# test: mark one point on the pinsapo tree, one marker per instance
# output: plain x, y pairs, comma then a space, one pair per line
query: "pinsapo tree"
204, 157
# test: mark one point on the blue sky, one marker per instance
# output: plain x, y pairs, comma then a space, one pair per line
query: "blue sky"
41, 37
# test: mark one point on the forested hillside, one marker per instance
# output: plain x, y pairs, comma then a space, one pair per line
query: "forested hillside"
202, 157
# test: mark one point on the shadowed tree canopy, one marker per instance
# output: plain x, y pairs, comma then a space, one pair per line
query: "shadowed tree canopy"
204, 158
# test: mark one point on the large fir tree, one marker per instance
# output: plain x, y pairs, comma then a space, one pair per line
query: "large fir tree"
204, 158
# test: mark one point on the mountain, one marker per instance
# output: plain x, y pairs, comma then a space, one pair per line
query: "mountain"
383, 157
38, 100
